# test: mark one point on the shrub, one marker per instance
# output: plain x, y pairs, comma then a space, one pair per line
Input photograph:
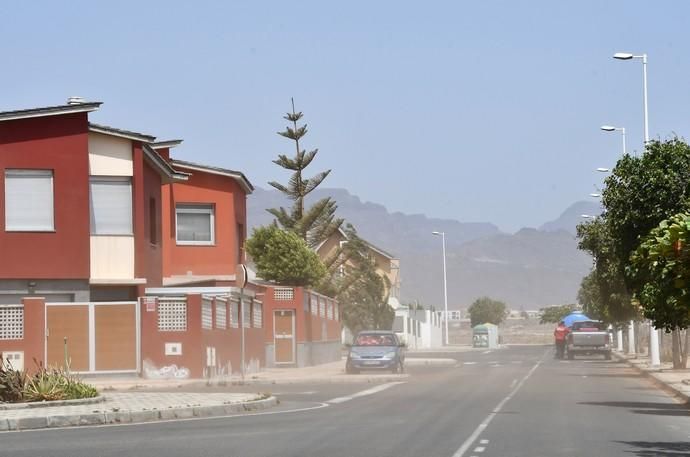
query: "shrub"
12, 383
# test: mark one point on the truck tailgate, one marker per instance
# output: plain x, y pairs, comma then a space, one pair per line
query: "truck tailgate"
589, 338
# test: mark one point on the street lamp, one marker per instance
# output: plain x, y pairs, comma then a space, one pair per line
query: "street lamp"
610, 128
629, 56
603, 170
587, 216
595, 195
445, 282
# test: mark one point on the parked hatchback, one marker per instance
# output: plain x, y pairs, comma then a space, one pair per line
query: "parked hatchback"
376, 350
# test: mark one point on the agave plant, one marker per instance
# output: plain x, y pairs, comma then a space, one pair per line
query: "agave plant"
12, 383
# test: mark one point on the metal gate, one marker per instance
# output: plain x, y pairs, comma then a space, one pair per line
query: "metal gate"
93, 337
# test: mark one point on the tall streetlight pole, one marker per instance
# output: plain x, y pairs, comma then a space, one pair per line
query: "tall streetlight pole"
445, 283
610, 128
629, 56
653, 332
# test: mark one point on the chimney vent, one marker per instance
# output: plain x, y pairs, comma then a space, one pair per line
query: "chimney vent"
75, 100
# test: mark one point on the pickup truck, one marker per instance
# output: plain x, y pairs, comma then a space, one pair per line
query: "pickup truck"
588, 337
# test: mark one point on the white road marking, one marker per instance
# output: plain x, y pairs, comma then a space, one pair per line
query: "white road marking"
364, 393
469, 363
483, 441
481, 427
496, 365
512, 384
487, 352
479, 449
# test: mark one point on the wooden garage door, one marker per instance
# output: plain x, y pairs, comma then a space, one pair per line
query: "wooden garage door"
116, 339
68, 332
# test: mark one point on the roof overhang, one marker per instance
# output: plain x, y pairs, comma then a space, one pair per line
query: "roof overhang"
168, 144
184, 280
49, 111
236, 175
117, 282
178, 291
162, 166
128, 134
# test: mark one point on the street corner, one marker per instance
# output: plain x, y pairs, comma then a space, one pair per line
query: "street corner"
136, 407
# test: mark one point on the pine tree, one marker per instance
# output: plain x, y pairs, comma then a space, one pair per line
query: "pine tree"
318, 222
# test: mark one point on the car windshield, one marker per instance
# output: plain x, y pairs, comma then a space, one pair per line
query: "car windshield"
375, 340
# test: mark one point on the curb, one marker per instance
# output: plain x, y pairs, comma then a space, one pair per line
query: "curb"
668, 388
46, 404
131, 417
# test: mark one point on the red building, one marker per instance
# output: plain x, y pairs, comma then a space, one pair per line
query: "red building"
96, 217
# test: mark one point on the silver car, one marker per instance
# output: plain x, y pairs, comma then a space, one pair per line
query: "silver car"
376, 350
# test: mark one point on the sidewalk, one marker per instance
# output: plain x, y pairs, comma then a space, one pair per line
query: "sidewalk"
133, 407
675, 382
333, 372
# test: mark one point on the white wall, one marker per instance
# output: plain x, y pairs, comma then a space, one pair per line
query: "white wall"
112, 257
110, 156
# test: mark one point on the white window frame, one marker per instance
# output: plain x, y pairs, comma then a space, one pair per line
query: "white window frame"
37, 173
196, 208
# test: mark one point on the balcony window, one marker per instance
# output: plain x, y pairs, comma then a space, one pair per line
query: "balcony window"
111, 205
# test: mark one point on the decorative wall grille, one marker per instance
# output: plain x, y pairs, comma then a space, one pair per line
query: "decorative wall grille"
283, 293
330, 311
336, 313
11, 322
221, 313
315, 305
207, 314
258, 315
246, 313
234, 314
322, 307
172, 314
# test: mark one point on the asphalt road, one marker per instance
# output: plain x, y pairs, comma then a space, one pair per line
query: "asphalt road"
510, 402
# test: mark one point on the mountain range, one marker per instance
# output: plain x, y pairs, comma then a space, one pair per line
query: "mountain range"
528, 269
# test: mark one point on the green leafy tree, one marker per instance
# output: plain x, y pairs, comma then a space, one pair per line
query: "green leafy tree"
640, 193
487, 310
361, 291
661, 264
284, 257
555, 314
314, 224
604, 292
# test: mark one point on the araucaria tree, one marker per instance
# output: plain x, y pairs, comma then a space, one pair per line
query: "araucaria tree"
314, 224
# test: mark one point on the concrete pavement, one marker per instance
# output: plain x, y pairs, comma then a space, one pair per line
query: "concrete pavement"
517, 402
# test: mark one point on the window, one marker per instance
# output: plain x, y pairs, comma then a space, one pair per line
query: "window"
234, 314
207, 313
246, 313
153, 227
111, 205
195, 224
172, 314
257, 315
29, 200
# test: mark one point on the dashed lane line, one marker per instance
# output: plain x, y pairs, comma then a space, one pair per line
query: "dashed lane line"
485, 423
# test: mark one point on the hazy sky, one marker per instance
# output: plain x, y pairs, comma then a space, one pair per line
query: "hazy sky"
477, 111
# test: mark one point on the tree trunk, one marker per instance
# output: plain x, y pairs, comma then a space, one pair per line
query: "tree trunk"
675, 348
684, 350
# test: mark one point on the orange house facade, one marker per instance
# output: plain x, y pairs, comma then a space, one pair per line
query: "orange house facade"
117, 258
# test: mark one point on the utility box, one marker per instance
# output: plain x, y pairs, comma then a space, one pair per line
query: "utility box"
485, 336
14, 359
